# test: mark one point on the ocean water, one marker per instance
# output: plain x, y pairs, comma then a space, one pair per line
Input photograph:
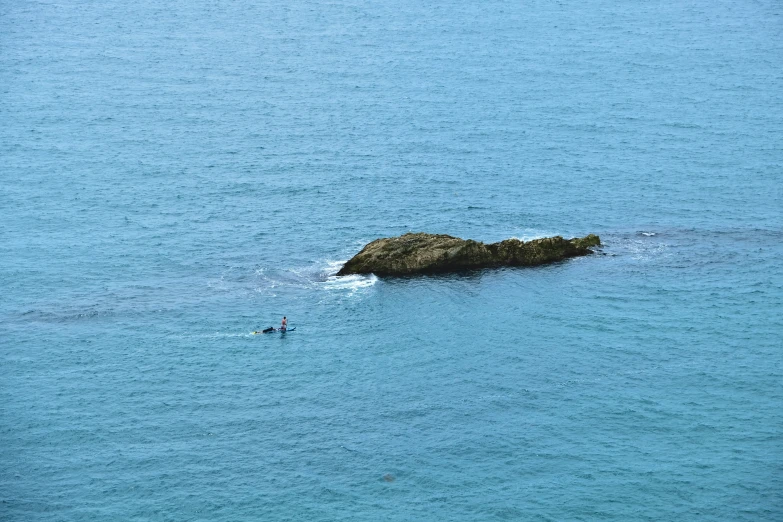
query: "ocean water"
175, 175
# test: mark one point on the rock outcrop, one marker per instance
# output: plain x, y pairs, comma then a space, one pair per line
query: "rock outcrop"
432, 253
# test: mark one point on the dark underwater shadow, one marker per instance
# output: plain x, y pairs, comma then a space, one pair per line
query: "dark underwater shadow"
476, 275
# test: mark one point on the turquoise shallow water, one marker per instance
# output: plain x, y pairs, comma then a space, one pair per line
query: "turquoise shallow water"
176, 176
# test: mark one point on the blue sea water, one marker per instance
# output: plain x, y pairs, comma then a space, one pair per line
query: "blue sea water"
174, 175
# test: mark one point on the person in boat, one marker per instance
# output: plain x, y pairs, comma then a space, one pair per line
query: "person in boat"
284, 325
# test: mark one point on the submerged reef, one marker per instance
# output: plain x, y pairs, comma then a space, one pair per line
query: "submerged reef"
422, 253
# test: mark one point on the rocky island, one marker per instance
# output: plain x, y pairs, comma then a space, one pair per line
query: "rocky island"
422, 253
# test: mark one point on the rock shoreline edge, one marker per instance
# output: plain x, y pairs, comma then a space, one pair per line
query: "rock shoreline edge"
422, 253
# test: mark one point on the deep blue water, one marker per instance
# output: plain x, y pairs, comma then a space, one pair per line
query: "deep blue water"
175, 175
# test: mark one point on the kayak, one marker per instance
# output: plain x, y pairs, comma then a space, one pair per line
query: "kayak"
273, 330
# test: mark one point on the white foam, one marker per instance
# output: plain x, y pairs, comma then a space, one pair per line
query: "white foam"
332, 267
351, 282
320, 275
530, 235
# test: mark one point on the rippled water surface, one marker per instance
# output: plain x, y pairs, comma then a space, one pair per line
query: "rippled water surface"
176, 175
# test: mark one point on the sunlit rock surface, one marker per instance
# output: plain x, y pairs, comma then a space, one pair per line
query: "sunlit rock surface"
431, 253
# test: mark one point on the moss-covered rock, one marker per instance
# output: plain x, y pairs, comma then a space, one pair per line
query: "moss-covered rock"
430, 253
